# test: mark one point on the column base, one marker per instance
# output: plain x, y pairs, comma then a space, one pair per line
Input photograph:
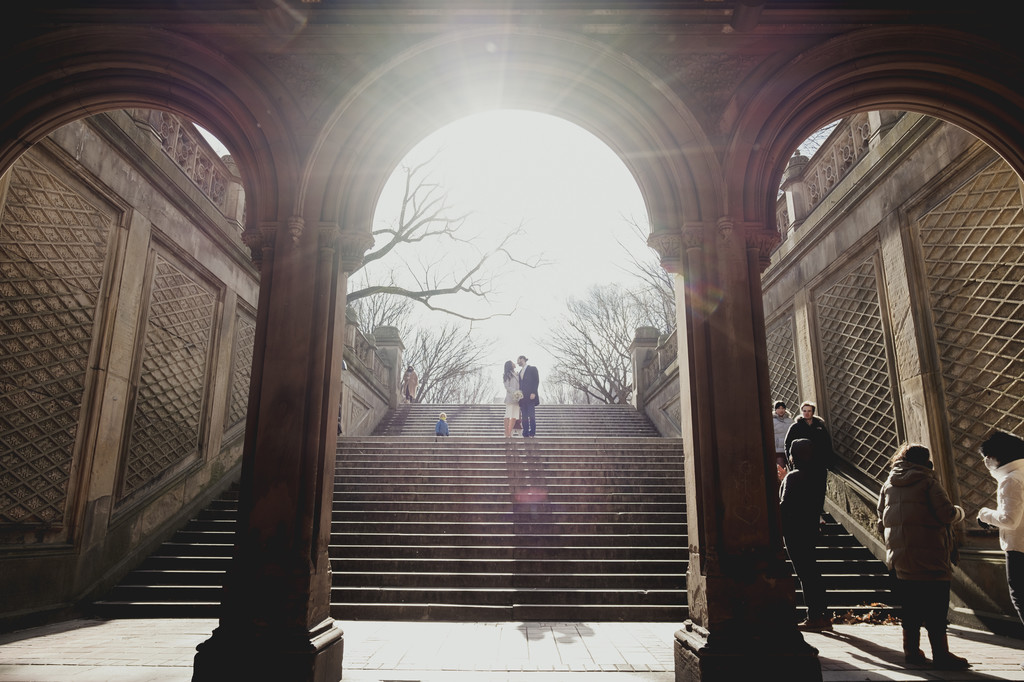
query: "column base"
765, 659
258, 654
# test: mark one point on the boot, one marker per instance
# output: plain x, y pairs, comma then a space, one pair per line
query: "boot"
912, 653
941, 657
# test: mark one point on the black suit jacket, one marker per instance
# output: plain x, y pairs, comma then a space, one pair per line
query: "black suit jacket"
529, 383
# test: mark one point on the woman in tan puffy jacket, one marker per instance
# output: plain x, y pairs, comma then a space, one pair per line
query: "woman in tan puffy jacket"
915, 516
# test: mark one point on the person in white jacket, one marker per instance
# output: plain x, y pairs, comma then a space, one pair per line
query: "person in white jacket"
781, 421
1004, 458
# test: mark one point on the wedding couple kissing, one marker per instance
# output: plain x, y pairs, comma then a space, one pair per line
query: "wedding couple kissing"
521, 396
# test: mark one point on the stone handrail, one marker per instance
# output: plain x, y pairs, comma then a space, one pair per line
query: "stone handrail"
186, 147
362, 354
807, 182
661, 362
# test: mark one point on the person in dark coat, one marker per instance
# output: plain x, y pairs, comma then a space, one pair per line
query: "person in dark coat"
529, 384
812, 427
801, 499
915, 516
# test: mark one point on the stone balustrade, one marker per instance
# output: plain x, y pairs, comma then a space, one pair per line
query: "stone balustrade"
808, 181
656, 378
215, 176
372, 373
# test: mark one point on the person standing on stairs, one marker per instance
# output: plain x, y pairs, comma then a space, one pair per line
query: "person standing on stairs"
781, 421
441, 428
409, 384
1003, 454
512, 396
801, 497
529, 384
915, 515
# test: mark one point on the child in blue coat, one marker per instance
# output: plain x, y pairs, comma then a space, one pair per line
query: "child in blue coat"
441, 428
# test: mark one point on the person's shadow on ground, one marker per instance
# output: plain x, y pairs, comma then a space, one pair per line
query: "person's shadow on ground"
875, 654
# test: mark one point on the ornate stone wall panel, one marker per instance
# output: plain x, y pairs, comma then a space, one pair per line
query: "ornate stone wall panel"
782, 362
168, 413
241, 369
973, 251
855, 370
53, 252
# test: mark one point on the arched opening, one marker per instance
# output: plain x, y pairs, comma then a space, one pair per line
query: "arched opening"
127, 327
501, 227
903, 322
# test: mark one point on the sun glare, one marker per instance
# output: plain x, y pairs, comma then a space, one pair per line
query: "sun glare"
570, 193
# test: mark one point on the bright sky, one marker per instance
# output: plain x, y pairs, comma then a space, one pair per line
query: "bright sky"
569, 191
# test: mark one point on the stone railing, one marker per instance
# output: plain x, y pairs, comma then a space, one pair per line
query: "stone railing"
370, 377
656, 378
363, 356
661, 360
807, 182
217, 178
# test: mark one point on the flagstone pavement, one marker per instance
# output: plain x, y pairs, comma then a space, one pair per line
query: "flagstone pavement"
152, 650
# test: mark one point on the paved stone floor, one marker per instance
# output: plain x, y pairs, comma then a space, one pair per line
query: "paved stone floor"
162, 650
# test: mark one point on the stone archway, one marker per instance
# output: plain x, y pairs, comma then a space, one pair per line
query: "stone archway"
628, 108
702, 104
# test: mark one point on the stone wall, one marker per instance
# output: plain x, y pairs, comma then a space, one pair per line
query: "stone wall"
895, 303
127, 325
127, 318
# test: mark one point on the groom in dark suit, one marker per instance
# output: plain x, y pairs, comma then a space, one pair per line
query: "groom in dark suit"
529, 383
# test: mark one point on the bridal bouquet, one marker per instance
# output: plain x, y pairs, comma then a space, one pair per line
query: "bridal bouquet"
517, 395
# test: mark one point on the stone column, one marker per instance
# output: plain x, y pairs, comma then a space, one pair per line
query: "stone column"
741, 596
389, 341
645, 340
275, 620
795, 189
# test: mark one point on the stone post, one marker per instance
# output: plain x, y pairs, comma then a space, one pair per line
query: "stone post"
275, 621
645, 341
741, 596
880, 123
389, 342
795, 189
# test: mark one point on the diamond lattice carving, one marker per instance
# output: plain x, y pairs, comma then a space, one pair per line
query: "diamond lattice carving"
782, 362
857, 383
245, 335
973, 247
53, 247
169, 407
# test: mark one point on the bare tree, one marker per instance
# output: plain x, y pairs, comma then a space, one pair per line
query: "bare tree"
383, 310
656, 291
447, 360
478, 387
557, 391
591, 343
426, 215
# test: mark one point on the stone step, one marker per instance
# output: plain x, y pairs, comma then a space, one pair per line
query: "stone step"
561, 527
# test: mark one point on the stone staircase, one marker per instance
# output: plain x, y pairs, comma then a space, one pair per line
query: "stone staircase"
573, 525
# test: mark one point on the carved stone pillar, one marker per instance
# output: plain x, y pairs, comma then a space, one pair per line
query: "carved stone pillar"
881, 122
741, 596
795, 189
275, 621
645, 340
389, 341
